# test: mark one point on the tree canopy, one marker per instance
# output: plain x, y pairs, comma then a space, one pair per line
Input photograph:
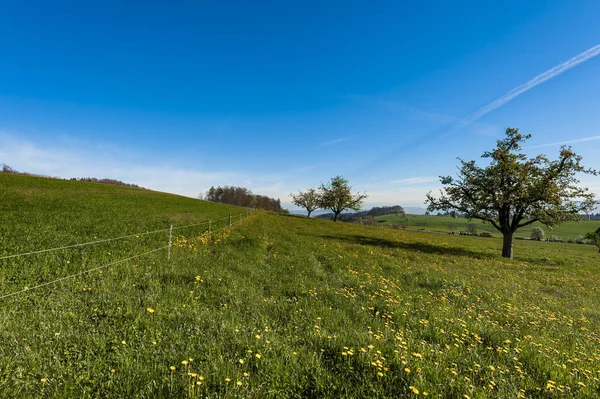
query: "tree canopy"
309, 200
337, 196
514, 191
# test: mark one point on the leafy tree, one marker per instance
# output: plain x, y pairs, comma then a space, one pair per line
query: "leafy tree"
337, 195
594, 238
513, 191
309, 200
537, 234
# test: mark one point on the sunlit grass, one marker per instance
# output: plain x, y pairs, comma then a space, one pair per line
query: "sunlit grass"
290, 307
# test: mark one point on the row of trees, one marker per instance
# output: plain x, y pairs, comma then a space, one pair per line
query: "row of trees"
514, 191
336, 195
241, 196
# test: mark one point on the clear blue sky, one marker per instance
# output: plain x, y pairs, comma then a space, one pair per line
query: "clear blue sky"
278, 96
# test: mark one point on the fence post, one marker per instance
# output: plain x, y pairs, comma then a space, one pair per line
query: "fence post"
170, 236
230, 220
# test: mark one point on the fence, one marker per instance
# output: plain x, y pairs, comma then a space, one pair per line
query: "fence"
227, 222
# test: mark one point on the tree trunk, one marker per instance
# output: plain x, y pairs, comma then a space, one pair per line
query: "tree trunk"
308, 214
507, 245
335, 216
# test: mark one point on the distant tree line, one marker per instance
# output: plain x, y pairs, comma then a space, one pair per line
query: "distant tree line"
241, 196
366, 217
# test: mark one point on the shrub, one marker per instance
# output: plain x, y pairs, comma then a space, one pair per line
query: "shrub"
537, 234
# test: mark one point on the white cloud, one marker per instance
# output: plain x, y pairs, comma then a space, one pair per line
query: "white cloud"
333, 142
549, 74
581, 140
416, 180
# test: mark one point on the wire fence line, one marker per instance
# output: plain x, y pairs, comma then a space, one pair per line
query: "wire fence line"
110, 239
168, 247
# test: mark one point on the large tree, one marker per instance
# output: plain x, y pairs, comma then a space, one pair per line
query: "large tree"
337, 195
514, 191
594, 238
309, 200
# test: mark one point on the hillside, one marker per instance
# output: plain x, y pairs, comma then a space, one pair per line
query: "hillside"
280, 306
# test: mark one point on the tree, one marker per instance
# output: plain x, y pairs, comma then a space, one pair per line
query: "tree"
594, 238
537, 234
309, 200
337, 195
513, 191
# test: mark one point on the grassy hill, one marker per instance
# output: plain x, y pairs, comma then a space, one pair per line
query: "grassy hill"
281, 306
567, 231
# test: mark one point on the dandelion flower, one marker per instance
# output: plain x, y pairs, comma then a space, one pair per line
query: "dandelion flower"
185, 362
414, 389
239, 383
57, 334
198, 382
246, 374
257, 336
258, 356
241, 361
124, 342
407, 370
150, 310
294, 353
172, 368
227, 379
112, 370
44, 380
380, 374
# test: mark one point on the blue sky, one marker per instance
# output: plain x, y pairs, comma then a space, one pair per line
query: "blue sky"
280, 96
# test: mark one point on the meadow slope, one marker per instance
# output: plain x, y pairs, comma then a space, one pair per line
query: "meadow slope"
282, 306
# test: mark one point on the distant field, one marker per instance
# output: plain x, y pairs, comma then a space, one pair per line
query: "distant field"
570, 230
282, 306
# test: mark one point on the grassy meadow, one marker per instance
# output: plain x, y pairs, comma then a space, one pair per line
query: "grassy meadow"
565, 232
280, 306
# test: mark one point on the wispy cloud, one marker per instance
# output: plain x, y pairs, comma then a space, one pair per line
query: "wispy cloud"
581, 140
333, 142
415, 180
549, 74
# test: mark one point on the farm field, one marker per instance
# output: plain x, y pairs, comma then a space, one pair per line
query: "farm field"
567, 231
280, 306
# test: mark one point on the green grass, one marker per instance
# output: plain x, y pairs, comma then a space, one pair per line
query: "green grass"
331, 309
565, 232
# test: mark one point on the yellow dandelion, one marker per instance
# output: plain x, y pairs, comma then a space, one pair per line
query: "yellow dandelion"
407, 370
257, 336
249, 351
414, 389
239, 383
241, 361
185, 362
201, 378
258, 356
198, 382
246, 374
150, 310
57, 334
112, 370
227, 379
124, 342
173, 368
380, 374
294, 353
153, 342
44, 380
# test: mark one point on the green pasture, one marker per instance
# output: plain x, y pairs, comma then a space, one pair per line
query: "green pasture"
281, 306
565, 232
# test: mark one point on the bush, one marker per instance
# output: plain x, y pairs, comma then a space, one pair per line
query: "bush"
537, 234
580, 240
554, 239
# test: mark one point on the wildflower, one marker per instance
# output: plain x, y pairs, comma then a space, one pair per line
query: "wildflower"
185, 362
380, 374
257, 336
227, 379
57, 334
239, 383
198, 383
150, 310
172, 368
241, 361
414, 389
153, 342
112, 370
407, 370
258, 356
294, 353
124, 342
44, 380
246, 374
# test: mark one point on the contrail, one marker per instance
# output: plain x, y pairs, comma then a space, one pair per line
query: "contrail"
549, 74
